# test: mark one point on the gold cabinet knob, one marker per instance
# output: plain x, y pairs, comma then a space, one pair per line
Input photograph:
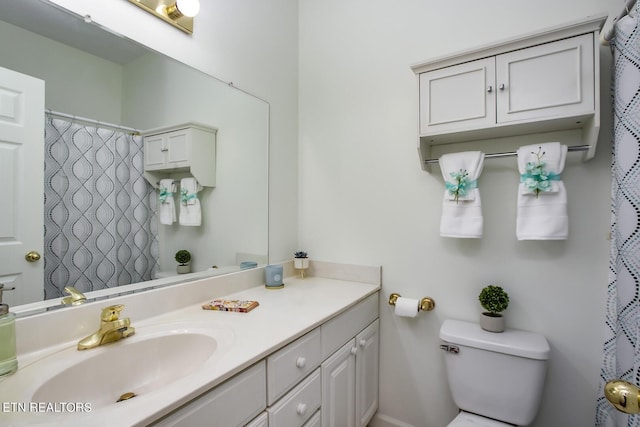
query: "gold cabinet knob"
32, 256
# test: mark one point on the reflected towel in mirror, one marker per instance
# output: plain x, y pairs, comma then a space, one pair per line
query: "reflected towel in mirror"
190, 211
166, 207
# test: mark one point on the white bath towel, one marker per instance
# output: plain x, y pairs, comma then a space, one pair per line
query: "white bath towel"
166, 205
461, 206
190, 212
542, 197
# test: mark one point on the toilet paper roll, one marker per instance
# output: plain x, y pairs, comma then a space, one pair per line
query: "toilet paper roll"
406, 307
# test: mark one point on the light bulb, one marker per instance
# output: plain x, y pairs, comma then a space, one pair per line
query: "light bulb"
189, 8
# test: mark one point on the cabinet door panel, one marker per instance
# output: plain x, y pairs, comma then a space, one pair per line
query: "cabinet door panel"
154, 152
458, 97
367, 363
178, 145
554, 79
338, 388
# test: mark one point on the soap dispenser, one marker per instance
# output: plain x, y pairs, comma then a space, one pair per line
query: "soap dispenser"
8, 360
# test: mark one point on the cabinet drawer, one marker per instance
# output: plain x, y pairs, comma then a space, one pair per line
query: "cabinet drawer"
261, 420
298, 405
232, 403
289, 365
344, 327
314, 421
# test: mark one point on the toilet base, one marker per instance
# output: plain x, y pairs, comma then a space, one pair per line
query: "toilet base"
466, 419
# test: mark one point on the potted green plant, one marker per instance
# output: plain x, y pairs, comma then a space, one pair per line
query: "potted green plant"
494, 300
183, 257
300, 260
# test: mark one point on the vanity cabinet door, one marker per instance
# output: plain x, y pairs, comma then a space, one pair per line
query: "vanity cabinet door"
367, 366
549, 80
458, 97
338, 388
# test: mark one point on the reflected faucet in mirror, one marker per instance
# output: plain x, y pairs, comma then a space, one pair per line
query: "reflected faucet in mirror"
75, 296
112, 328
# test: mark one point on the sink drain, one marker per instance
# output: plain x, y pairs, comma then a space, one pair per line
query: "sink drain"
126, 396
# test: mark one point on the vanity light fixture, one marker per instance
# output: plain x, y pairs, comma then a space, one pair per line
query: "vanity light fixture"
178, 13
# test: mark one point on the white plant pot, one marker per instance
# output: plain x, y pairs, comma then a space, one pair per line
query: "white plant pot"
492, 322
183, 268
301, 263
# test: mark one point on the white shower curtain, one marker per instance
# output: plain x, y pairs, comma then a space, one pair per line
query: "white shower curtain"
621, 357
100, 213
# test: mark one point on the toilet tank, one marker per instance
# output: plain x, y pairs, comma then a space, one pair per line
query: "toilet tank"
496, 375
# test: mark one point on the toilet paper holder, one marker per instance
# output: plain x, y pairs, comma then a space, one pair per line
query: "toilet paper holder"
426, 303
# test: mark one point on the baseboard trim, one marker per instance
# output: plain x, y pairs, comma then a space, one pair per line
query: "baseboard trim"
380, 420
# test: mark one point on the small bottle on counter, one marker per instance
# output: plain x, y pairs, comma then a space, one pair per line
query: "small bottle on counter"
8, 356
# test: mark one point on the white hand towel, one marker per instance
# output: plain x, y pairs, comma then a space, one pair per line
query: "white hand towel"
190, 212
461, 206
542, 197
166, 204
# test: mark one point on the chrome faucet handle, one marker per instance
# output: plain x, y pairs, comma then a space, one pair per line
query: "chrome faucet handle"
75, 296
111, 313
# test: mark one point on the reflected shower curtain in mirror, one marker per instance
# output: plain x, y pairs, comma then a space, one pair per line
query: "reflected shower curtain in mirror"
100, 212
621, 358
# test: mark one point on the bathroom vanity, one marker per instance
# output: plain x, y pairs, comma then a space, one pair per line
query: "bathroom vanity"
306, 356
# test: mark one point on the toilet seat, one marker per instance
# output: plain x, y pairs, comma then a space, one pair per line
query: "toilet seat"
465, 419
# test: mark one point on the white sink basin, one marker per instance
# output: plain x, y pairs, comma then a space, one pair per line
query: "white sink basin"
154, 358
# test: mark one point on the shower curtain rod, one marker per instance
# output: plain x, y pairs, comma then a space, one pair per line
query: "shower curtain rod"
92, 121
607, 34
513, 154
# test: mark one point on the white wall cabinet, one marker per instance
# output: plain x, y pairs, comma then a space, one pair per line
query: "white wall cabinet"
538, 83
350, 381
178, 151
550, 80
302, 384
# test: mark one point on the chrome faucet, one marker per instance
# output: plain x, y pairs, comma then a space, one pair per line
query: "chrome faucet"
75, 296
112, 328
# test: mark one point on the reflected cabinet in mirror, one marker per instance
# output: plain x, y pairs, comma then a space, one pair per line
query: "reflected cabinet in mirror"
79, 190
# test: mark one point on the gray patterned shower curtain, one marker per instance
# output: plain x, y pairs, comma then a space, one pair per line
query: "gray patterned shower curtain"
621, 358
100, 213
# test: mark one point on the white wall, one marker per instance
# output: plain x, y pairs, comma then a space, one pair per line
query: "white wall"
67, 72
364, 199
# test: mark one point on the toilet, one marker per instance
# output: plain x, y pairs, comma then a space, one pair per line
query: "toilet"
496, 379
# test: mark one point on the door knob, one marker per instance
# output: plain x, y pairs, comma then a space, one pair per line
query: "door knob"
623, 395
32, 256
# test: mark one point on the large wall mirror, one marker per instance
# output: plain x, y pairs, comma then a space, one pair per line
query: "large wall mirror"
91, 73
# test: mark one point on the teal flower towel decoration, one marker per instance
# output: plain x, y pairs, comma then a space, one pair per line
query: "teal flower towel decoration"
164, 194
536, 178
185, 196
461, 185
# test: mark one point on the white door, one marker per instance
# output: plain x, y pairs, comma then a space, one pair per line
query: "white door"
21, 186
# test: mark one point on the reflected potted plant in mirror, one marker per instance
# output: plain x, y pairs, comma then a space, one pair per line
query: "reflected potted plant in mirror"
183, 257
301, 262
495, 300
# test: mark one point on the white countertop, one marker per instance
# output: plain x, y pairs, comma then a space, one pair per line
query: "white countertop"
282, 316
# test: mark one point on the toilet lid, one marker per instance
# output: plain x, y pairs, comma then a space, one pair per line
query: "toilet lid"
465, 419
